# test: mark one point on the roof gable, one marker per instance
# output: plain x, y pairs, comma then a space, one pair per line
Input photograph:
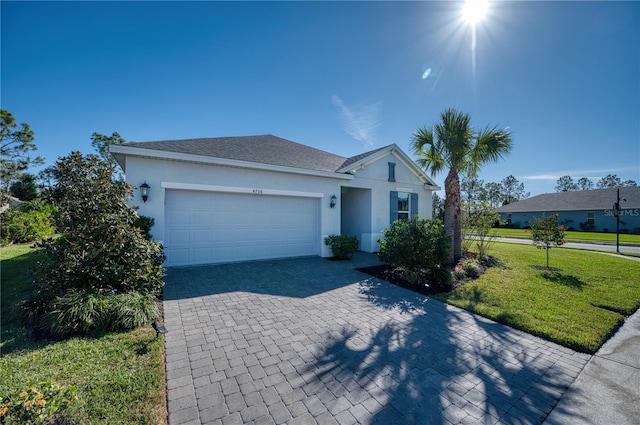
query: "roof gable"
599, 199
353, 163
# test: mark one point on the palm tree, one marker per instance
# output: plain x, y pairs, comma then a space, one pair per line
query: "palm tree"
454, 144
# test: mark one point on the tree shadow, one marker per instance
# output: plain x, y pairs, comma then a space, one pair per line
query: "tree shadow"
425, 362
564, 279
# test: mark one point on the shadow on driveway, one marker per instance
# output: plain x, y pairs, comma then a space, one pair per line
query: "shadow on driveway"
312, 341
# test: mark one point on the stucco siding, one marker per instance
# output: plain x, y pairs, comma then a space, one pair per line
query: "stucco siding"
157, 172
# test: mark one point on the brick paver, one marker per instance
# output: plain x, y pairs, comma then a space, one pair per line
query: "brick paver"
313, 341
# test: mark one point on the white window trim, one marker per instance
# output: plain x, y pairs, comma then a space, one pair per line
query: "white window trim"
408, 211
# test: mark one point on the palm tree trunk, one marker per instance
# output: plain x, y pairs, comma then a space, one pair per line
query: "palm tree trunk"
452, 217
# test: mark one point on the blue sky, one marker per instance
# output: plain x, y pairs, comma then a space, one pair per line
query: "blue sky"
345, 77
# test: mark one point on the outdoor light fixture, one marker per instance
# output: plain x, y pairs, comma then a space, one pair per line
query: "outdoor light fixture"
334, 199
144, 191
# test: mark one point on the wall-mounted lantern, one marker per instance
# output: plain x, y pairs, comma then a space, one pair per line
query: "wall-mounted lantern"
334, 199
144, 191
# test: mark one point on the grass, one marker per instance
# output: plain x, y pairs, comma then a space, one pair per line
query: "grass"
119, 377
573, 236
580, 303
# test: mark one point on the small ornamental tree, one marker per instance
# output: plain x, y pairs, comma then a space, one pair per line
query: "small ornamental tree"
102, 264
477, 227
547, 233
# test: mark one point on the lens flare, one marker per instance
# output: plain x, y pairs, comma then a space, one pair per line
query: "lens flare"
474, 10
426, 73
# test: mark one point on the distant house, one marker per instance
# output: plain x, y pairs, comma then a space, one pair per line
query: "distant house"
580, 210
10, 203
228, 199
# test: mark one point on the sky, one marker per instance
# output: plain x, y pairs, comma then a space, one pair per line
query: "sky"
344, 77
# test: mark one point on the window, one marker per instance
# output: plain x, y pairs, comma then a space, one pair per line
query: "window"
403, 205
392, 171
591, 218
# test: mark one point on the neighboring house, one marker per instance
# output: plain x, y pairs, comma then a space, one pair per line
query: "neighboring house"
580, 210
257, 197
10, 203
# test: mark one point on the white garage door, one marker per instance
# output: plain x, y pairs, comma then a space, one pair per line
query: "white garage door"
206, 227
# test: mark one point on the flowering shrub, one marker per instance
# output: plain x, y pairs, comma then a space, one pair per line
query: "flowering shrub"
36, 404
472, 268
467, 267
458, 272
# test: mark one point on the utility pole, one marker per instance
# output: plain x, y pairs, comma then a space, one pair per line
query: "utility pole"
616, 212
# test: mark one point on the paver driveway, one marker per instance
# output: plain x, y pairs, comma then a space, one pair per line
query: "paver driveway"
308, 340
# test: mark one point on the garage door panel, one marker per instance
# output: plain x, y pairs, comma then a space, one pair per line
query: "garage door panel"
178, 235
177, 217
200, 236
204, 227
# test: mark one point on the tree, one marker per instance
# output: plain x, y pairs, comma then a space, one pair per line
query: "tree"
613, 181
100, 252
437, 207
546, 233
584, 184
101, 144
512, 190
453, 144
478, 224
16, 145
610, 181
472, 190
493, 194
24, 188
566, 184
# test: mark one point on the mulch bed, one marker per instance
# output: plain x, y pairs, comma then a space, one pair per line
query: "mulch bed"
393, 275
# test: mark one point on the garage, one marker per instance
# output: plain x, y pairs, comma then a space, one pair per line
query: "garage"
210, 227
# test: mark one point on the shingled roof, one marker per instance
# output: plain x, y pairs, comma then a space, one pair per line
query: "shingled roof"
261, 149
599, 199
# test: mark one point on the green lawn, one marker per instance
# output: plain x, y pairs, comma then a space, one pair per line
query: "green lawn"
119, 377
573, 236
578, 305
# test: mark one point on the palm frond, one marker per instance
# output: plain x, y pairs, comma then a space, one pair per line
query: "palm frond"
491, 145
428, 150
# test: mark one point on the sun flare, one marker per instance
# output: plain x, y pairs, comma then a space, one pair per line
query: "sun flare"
474, 10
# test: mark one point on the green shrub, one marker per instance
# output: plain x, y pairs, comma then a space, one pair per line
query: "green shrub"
82, 313
472, 268
420, 247
342, 246
30, 221
145, 224
99, 249
458, 272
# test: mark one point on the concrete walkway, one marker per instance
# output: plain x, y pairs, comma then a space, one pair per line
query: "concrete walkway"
307, 340
608, 389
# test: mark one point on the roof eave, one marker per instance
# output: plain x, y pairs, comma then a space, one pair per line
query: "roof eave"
120, 153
